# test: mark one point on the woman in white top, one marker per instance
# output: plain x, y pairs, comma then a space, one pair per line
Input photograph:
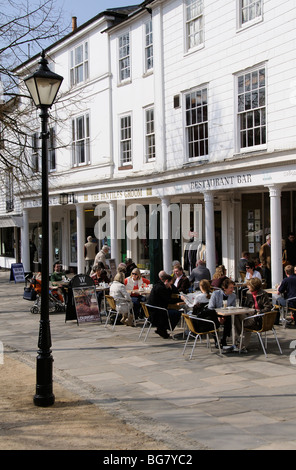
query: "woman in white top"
122, 299
201, 298
251, 271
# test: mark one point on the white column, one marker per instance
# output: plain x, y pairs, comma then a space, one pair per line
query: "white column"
227, 235
210, 232
80, 222
25, 242
113, 231
166, 235
276, 234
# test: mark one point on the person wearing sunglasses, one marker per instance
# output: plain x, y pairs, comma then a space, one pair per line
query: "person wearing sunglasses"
133, 283
251, 271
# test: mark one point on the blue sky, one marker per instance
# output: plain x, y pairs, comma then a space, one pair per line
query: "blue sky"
86, 9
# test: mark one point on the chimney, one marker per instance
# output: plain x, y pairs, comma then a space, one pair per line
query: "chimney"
74, 23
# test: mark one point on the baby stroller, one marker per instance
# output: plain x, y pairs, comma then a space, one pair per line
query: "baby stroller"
56, 299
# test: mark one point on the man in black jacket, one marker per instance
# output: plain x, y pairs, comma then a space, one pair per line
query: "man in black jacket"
161, 296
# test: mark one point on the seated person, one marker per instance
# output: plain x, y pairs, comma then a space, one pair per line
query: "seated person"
130, 265
199, 273
180, 280
99, 276
216, 301
257, 299
287, 288
243, 262
134, 283
202, 298
251, 271
121, 268
161, 296
56, 277
57, 274
122, 299
219, 276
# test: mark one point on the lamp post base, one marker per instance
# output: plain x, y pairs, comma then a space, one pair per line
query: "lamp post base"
44, 401
44, 391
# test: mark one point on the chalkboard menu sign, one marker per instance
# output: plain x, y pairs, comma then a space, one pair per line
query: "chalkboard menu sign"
17, 273
85, 298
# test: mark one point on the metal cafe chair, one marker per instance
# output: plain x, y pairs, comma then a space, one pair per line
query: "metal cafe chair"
268, 319
209, 326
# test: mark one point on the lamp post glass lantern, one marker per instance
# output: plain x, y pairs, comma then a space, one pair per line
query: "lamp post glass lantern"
43, 86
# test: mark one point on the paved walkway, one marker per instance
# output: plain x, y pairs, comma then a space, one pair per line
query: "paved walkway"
210, 402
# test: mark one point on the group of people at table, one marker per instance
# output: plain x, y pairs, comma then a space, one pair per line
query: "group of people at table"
129, 288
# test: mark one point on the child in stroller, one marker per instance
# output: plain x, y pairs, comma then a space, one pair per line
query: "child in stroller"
56, 298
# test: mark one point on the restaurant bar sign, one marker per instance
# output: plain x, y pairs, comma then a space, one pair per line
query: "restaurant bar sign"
221, 182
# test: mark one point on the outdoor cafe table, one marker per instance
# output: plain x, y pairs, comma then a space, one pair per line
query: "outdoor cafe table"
232, 311
145, 292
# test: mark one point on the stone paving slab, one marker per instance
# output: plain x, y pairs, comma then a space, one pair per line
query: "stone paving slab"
232, 402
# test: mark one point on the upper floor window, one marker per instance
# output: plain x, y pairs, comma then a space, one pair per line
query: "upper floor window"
124, 57
149, 134
148, 46
80, 140
125, 140
251, 107
250, 11
196, 104
79, 64
194, 23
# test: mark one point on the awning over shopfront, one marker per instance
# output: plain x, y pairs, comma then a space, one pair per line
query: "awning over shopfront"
12, 221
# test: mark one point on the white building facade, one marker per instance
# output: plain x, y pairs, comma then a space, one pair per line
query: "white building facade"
178, 105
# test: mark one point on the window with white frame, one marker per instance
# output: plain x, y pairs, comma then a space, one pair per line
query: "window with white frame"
250, 11
52, 150
149, 134
80, 140
196, 123
35, 153
124, 57
148, 46
251, 107
125, 140
79, 64
194, 23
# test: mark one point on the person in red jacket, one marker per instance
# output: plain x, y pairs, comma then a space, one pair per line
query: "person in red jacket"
133, 283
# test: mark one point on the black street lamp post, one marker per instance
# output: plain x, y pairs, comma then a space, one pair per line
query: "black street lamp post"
43, 86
